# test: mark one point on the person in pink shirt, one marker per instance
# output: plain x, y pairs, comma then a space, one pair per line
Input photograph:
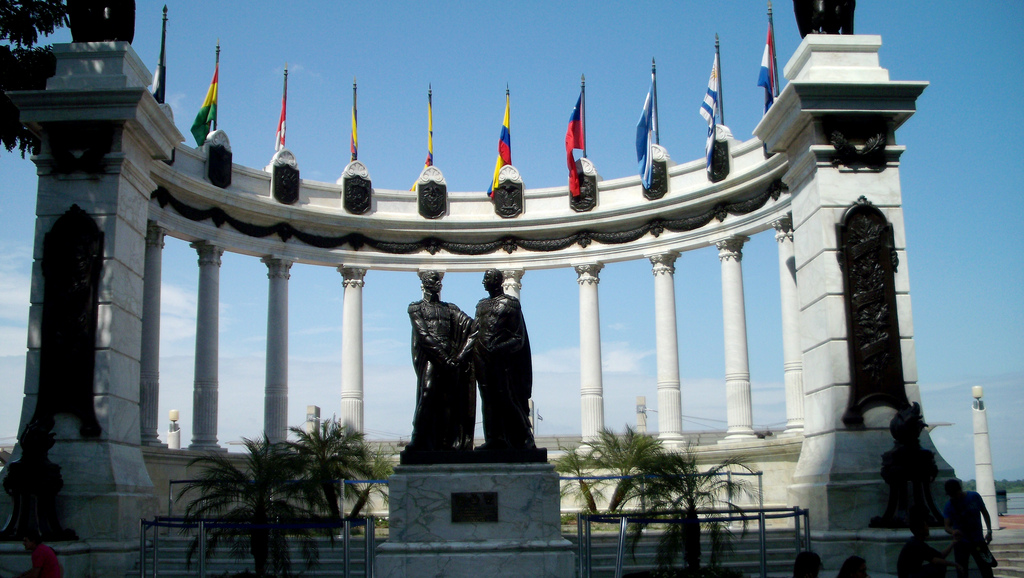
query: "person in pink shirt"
44, 559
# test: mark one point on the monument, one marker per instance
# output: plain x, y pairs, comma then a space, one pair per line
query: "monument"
459, 511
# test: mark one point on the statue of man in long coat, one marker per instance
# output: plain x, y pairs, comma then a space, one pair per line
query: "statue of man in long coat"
445, 394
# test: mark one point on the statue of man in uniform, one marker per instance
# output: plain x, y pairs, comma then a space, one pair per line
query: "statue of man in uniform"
503, 367
445, 396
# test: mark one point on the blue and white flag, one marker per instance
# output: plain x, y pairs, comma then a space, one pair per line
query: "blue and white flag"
709, 108
645, 138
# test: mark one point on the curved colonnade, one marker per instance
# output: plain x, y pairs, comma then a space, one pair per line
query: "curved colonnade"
245, 218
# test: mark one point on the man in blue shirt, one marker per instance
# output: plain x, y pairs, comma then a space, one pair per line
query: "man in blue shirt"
963, 515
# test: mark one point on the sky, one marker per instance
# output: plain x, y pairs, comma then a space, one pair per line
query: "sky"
960, 181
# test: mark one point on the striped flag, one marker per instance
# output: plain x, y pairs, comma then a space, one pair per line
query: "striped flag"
354, 141
430, 132
769, 77
279, 138
504, 149
207, 117
709, 108
574, 140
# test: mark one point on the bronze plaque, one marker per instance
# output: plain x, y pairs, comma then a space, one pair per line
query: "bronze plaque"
469, 507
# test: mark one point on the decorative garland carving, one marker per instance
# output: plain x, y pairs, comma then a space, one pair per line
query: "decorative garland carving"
509, 244
872, 155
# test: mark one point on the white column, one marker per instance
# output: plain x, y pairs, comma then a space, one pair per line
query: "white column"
275, 400
149, 358
670, 408
511, 282
591, 386
983, 474
792, 356
352, 348
737, 369
204, 393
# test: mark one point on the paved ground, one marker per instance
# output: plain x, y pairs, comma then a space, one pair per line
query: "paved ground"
1011, 530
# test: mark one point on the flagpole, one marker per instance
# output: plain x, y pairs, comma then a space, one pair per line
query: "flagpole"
775, 66
583, 112
216, 68
721, 99
161, 68
654, 97
355, 122
284, 104
430, 124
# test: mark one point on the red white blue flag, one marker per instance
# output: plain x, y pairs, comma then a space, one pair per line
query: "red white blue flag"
574, 141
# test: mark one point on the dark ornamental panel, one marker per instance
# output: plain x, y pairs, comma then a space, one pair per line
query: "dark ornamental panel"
285, 180
356, 195
587, 198
433, 199
868, 260
508, 199
719, 161
218, 159
659, 181
72, 262
79, 146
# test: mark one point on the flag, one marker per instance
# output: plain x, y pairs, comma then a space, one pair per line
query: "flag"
279, 138
354, 141
769, 76
574, 141
645, 137
430, 132
160, 75
504, 149
207, 116
708, 109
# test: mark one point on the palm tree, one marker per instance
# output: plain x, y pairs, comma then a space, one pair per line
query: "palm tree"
329, 453
627, 456
677, 486
576, 463
264, 492
379, 467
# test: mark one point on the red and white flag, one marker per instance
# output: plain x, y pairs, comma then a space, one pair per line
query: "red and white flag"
279, 138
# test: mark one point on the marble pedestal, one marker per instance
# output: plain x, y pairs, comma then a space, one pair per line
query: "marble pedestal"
521, 537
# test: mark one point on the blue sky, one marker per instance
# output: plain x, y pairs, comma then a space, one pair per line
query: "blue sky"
960, 179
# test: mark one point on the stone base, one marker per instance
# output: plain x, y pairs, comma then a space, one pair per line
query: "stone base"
513, 530
509, 456
879, 548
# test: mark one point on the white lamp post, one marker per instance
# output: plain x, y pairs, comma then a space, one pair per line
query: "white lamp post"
983, 475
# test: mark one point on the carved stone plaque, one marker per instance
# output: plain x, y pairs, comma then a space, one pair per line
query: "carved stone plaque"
659, 181
587, 198
218, 166
285, 182
433, 199
508, 199
357, 194
474, 507
719, 161
867, 257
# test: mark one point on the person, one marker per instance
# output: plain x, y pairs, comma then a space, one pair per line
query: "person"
917, 559
503, 367
44, 559
853, 567
806, 565
963, 513
445, 415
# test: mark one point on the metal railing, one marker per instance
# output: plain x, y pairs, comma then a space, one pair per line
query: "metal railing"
801, 530
202, 526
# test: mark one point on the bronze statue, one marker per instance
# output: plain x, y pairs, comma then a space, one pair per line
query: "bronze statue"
824, 16
102, 20
504, 369
445, 397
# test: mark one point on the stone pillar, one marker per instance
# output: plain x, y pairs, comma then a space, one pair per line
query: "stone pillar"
149, 360
512, 281
984, 475
204, 392
97, 101
591, 386
834, 78
792, 357
734, 325
275, 397
670, 411
352, 348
